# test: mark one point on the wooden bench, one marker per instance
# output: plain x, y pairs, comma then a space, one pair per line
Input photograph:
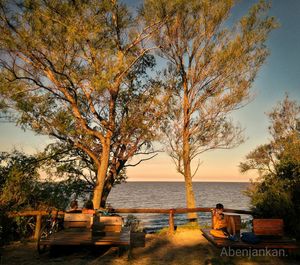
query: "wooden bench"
270, 232
88, 220
81, 229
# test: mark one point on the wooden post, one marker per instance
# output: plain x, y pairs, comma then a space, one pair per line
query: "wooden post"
38, 225
212, 219
171, 221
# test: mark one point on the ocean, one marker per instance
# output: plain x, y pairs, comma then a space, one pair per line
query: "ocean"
172, 195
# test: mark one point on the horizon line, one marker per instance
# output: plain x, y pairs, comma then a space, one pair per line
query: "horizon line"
184, 181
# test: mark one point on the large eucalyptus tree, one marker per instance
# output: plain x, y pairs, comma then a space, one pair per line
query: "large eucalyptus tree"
210, 68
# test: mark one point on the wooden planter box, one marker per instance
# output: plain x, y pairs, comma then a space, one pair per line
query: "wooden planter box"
137, 239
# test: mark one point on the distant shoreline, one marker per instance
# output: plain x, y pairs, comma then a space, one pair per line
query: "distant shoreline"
166, 181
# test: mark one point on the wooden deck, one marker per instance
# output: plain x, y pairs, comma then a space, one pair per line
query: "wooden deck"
81, 236
270, 243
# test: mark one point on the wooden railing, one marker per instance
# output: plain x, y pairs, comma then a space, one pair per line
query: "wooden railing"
176, 210
171, 213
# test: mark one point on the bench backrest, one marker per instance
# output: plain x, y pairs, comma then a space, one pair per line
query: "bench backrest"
77, 220
112, 223
107, 223
268, 227
237, 222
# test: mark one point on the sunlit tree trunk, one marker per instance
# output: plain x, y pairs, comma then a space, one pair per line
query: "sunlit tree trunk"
101, 174
104, 160
190, 197
113, 173
106, 190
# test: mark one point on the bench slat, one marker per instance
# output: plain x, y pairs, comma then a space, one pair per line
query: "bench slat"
111, 220
85, 237
73, 217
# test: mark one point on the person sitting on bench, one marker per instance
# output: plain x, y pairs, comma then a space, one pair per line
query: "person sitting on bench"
74, 207
223, 225
88, 207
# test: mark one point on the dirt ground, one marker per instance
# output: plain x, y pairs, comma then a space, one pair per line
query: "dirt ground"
185, 247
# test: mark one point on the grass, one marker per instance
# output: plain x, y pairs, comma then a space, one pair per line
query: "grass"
184, 227
189, 226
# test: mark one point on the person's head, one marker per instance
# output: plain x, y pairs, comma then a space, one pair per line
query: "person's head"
89, 205
219, 208
74, 204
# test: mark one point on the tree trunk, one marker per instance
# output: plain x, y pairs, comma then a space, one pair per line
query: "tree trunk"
101, 175
107, 188
190, 197
113, 174
102, 170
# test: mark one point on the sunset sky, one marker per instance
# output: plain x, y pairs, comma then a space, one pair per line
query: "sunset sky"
279, 75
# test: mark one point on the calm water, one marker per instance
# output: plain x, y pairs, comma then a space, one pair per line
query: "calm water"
172, 195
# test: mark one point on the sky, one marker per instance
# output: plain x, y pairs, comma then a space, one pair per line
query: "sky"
278, 76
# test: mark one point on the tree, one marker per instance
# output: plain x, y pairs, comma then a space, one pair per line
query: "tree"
285, 132
75, 70
275, 194
23, 188
18, 173
210, 69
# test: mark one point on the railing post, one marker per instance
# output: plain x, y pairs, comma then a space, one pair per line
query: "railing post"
38, 225
171, 221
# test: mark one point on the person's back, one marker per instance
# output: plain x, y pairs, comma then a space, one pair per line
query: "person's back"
74, 207
88, 207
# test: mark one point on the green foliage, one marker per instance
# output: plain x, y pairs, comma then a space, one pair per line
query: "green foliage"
23, 188
23, 227
15, 228
58, 194
278, 198
18, 174
271, 199
133, 223
277, 193
6, 228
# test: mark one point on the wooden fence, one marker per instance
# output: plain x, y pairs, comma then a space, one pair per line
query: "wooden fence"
171, 213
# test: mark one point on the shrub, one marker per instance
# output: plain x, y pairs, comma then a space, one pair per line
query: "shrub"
133, 223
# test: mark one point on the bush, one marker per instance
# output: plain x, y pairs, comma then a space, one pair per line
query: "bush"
6, 228
133, 223
278, 197
15, 228
277, 194
21, 189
